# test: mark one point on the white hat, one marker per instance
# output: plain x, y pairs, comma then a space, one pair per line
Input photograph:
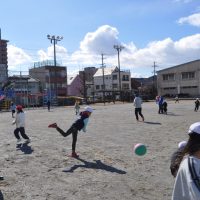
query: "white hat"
89, 109
182, 144
194, 128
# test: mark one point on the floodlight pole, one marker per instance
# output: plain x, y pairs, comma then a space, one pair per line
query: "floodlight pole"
54, 39
119, 49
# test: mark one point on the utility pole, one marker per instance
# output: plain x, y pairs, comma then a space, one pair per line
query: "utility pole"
102, 65
84, 86
119, 49
154, 77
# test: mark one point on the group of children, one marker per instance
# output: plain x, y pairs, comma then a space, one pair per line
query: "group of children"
78, 125
162, 105
185, 162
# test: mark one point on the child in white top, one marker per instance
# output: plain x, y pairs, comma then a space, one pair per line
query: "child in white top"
20, 125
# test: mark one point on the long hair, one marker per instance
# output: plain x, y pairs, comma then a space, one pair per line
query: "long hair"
192, 146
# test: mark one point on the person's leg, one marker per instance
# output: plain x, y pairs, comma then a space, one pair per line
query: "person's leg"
65, 134
140, 113
23, 134
16, 133
74, 140
136, 114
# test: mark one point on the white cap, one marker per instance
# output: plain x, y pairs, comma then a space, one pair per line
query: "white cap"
89, 109
182, 144
194, 128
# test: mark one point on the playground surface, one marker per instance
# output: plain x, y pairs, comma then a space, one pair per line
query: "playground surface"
107, 167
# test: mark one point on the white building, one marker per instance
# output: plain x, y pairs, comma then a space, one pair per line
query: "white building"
106, 81
182, 79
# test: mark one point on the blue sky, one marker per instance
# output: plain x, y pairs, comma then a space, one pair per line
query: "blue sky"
164, 31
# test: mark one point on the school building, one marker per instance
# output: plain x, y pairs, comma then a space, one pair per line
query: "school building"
182, 80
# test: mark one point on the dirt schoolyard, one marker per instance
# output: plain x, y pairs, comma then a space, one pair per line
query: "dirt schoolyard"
107, 167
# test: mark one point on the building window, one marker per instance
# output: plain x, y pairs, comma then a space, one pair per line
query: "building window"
97, 87
114, 77
188, 75
125, 78
125, 86
168, 77
187, 87
115, 86
169, 88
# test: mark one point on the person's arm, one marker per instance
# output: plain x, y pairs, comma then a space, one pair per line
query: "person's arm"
85, 121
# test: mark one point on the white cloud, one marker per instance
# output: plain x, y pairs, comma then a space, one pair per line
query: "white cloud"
17, 56
193, 20
61, 53
100, 41
166, 52
183, 1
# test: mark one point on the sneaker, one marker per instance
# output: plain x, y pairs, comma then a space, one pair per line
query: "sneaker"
27, 141
19, 140
54, 125
74, 155
142, 118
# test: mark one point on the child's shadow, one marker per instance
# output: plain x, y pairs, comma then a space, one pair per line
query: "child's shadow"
95, 165
25, 148
1, 195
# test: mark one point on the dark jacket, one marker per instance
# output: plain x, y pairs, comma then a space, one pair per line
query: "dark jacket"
79, 123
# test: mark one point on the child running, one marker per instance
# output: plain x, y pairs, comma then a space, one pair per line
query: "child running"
78, 125
137, 102
196, 105
20, 125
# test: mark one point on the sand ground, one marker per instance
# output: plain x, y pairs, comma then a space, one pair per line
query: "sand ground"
107, 168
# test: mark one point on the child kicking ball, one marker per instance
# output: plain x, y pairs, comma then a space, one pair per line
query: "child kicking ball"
78, 125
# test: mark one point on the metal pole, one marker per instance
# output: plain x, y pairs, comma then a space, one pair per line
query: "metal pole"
54, 40
119, 48
103, 79
119, 75
54, 45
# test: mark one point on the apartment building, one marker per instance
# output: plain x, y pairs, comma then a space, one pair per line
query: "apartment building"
106, 80
3, 61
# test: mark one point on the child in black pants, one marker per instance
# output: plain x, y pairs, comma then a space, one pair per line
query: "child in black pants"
78, 125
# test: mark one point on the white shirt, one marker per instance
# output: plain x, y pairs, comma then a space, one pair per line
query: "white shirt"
184, 187
137, 102
20, 119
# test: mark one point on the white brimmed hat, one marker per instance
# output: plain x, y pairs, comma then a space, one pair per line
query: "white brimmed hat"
182, 144
89, 109
194, 128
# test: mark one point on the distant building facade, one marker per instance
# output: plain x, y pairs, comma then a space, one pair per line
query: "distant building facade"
183, 79
87, 77
107, 81
26, 90
75, 85
3, 61
53, 79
